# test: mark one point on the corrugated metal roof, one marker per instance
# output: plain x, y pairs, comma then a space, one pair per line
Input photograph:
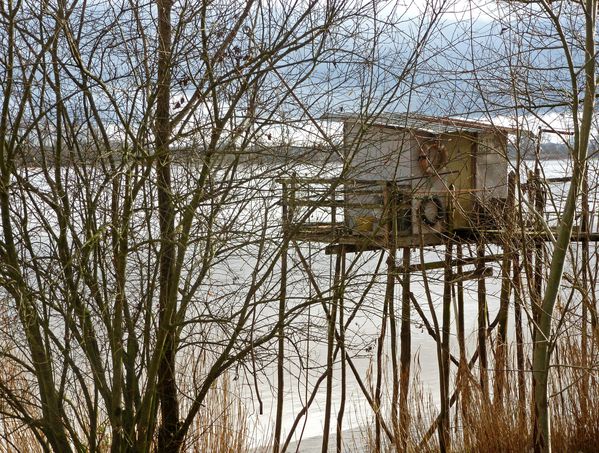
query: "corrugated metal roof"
431, 124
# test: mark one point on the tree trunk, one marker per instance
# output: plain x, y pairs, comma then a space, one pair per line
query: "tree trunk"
167, 390
542, 345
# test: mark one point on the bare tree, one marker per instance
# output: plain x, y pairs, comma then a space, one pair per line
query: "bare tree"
140, 240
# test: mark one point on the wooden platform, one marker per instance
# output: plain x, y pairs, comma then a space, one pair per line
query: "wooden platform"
337, 235
338, 226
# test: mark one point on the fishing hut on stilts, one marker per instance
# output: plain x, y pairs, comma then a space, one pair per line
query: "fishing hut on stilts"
410, 182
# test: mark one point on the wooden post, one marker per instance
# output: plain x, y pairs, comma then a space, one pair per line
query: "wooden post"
463, 374
585, 291
540, 207
387, 216
482, 308
517, 278
504, 298
280, 329
460, 311
482, 319
330, 350
390, 302
589, 309
444, 438
341, 342
528, 262
334, 209
379, 377
390, 240
390, 296
406, 352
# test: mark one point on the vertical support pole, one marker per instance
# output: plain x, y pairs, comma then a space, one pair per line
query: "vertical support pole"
585, 293
281, 318
482, 319
406, 351
519, 337
444, 439
482, 304
537, 198
537, 295
528, 262
585, 257
519, 251
463, 376
539, 261
444, 365
330, 350
390, 301
460, 320
341, 342
390, 296
504, 297
379, 377
387, 217
390, 222
334, 209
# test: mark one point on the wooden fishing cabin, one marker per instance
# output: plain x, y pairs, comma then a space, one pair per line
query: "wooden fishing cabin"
406, 178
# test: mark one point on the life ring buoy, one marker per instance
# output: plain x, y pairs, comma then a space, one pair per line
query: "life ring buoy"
432, 158
426, 216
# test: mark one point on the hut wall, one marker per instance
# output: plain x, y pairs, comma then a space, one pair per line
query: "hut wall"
457, 172
378, 154
476, 167
491, 167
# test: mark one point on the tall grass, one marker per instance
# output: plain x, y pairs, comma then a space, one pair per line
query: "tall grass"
482, 423
479, 424
575, 395
220, 427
